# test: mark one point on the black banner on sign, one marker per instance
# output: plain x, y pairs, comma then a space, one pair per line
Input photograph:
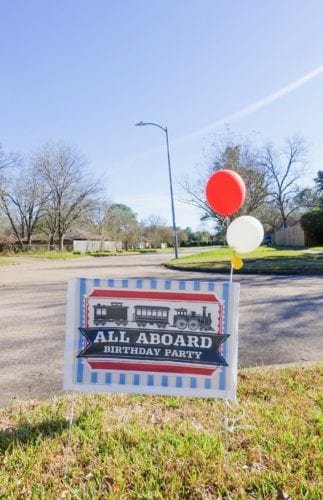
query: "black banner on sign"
152, 345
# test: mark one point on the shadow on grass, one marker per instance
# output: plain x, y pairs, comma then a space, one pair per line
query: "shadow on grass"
31, 434
26, 433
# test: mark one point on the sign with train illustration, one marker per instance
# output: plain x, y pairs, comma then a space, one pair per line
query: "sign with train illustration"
150, 336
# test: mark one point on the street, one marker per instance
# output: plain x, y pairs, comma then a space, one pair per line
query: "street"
281, 317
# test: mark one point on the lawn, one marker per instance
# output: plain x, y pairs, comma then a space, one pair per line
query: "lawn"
55, 255
6, 262
73, 255
131, 446
264, 260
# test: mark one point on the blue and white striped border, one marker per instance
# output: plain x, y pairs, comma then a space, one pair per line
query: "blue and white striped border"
78, 375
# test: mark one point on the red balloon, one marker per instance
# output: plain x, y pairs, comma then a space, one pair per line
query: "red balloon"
225, 192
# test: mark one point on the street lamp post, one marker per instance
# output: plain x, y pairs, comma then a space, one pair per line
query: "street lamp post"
142, 124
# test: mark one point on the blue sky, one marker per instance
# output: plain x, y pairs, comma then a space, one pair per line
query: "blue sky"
85, 71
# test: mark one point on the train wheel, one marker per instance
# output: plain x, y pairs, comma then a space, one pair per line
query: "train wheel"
181, 323
193, 324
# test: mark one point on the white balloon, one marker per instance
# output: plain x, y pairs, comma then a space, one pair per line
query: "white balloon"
245, 234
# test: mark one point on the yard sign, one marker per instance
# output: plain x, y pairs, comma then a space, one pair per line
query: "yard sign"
148, 336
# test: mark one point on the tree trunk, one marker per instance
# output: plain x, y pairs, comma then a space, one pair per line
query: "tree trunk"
13, 225
51, 240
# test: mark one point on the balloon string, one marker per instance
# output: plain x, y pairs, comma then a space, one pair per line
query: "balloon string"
226, 221
231, 271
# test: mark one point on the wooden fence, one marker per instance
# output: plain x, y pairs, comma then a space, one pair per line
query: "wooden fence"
292, 236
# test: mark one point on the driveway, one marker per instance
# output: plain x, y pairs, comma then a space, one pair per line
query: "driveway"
281, 317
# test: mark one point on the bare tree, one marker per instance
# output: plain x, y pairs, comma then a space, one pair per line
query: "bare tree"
284, 169
97, 219
9, 208
271, 175
228, 153
155, 231
70, 189
8, 160
22, 200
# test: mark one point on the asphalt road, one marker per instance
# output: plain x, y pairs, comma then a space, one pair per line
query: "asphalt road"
281, 317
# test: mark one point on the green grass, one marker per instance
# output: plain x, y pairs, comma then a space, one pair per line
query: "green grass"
129, 446
264, 260
6, 262
65, 255
55, 255
75, 255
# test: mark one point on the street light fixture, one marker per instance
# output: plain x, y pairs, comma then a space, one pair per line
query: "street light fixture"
142, 124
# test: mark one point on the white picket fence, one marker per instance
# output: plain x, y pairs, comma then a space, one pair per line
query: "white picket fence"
95, 246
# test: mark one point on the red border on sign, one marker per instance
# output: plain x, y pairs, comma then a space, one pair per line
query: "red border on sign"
145, 367
150, 294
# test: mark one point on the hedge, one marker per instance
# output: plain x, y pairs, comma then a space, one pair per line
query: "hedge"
312, 223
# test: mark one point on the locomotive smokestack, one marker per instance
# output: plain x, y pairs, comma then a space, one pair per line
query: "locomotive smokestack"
204, 312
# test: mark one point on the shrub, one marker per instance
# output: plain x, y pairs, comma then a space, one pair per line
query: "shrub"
7, 244
312, 223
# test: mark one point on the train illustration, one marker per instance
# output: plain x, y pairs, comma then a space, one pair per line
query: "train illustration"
144, 315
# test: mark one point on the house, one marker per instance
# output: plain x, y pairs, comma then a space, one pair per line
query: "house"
84, 242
